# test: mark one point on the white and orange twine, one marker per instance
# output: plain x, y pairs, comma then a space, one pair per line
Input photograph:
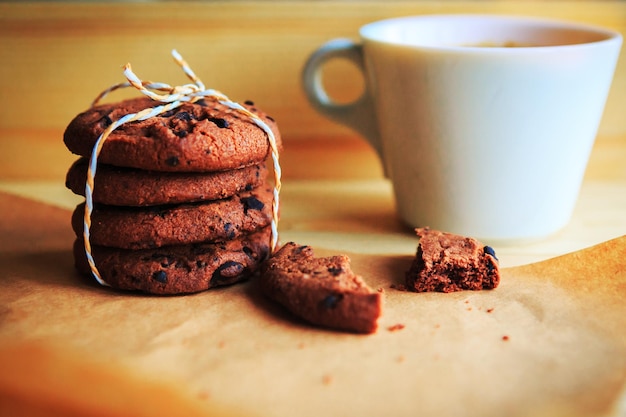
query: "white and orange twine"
173, 97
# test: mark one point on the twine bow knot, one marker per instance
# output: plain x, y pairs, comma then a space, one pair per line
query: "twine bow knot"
173, 97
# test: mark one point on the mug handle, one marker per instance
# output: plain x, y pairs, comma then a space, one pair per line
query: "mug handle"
358, 115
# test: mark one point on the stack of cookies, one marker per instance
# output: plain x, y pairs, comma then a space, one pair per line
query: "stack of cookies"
181, 200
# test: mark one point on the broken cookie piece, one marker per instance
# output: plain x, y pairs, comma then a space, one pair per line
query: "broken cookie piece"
322, 291
446, 262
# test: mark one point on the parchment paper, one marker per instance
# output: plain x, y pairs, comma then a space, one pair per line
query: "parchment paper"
549, 341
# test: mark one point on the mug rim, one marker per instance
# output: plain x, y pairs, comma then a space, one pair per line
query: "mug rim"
603, 34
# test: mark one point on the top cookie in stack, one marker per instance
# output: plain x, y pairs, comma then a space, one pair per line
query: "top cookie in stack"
181, 200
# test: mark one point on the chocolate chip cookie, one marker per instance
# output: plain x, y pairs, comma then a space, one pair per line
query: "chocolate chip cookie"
201, 136
178, 269
446, 262
156, 226
121, 186
322, 291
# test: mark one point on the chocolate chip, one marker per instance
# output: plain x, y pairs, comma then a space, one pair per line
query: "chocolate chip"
251, 203
201, 102
230, 230
331, 301
181, 133
219, 122
106, 121
230, 269
249, 102
300, 249
172, 161
226, 272
183, 115
160, 276
489, 251
168, 113
335, 270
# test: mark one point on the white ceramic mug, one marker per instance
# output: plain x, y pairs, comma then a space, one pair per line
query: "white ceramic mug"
484, 124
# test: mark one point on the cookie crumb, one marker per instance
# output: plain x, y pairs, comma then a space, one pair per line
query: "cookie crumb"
505, 338
327, 379
399, 287
204, 395
396, 327
489, 310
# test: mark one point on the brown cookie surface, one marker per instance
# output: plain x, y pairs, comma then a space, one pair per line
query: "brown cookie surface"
121, 186
156, 226
178, 269
322, 291
446, 262
201, 136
